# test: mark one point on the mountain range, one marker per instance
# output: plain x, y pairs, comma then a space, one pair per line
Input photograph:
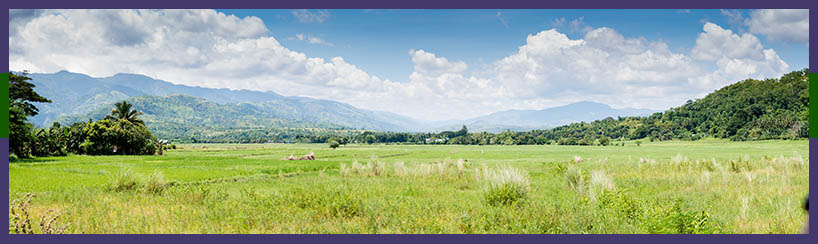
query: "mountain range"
80, 97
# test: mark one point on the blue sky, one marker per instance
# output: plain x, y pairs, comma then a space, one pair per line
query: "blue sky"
378, 40
426, 64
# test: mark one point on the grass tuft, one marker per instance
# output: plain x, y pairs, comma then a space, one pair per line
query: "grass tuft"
505, 186
123, 180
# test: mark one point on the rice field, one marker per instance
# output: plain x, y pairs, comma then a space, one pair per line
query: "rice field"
708, 186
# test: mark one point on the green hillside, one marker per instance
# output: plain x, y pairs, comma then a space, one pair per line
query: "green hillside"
187, 118
747, 110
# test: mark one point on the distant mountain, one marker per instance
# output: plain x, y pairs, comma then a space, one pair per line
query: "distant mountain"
523, 120
78, 94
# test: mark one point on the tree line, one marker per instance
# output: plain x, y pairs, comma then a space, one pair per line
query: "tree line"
121, 132
747, 110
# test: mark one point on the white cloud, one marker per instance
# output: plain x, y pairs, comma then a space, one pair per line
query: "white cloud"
603, 62
211, 49
736, 57
187, 46
716, 42
307, 16
781, 24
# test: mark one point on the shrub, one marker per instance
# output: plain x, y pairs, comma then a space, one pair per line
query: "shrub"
677, 218
505, 186
604, 141
334, 144
123, 180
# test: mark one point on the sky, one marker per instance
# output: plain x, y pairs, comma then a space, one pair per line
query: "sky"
429, 65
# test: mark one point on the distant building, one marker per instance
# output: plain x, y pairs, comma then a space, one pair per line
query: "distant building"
438, 140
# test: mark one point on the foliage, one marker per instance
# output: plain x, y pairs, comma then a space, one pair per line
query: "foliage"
123, 111
21, 97
107, 137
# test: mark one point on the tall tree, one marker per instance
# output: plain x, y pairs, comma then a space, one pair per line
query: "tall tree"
21, 97
123, 110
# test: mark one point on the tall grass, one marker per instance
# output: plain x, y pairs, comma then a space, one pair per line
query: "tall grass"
505, 186
687, 187
123, 180
156, 183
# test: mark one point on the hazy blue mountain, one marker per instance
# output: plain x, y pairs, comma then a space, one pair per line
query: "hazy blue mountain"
78, 94
523, 120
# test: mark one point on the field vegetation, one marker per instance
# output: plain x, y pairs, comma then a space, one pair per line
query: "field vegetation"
705, 186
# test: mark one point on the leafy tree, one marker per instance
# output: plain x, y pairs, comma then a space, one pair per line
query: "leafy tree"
21, 97
122, 110
106, 137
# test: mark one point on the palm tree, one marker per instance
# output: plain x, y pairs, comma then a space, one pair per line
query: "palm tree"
122, 110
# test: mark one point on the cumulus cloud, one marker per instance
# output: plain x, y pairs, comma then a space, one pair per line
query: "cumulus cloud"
736, 57
780, 24
307, 16
602, 63
188, 46
716, 42
210, 49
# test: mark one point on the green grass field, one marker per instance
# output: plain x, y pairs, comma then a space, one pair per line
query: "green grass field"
708, 186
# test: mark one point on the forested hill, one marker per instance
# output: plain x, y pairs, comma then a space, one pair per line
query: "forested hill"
747, 110
182, 117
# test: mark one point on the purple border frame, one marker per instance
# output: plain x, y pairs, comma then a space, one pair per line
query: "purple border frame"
425, 4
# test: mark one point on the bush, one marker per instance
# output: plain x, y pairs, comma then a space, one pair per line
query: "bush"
505, 186
334, 144
678, 218
604, 141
